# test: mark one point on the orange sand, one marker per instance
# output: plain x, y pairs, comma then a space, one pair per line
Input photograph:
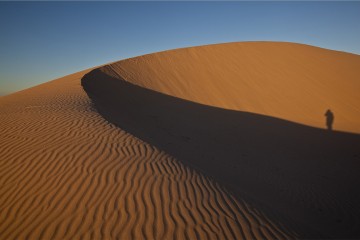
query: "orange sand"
285, 80
213, 142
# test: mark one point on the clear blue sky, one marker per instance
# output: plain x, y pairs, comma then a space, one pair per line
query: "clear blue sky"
40, 41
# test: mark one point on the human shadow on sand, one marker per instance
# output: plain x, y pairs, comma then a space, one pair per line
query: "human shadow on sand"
309, 176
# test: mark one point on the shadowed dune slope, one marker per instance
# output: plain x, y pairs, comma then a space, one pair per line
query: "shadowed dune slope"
67, 173
284, 80
187, 103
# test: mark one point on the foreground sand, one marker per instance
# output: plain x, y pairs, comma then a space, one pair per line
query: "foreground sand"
66, 173
216, 142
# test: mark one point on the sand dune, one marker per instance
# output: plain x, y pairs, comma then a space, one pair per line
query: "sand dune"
213, 142
201, 105
284, 80
66, 173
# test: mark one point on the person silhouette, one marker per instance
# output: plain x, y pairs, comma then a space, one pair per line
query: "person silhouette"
329, 119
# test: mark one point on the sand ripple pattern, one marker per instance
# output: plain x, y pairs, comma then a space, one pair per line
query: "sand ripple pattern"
66, 173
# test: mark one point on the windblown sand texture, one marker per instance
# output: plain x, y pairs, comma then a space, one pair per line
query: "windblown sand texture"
215, 142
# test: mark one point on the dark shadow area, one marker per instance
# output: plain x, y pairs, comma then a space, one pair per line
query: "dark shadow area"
306, 175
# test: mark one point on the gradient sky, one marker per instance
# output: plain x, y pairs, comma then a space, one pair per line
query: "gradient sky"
41, 41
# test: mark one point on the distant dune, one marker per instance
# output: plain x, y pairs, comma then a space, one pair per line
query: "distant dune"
223, 141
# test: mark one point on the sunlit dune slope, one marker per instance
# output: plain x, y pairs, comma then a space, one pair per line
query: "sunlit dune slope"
251, 116
285, 80
67, 173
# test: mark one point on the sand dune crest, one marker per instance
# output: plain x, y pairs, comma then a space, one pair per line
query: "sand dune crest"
285, 80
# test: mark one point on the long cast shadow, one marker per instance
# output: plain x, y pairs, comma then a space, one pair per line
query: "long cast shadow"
309, 176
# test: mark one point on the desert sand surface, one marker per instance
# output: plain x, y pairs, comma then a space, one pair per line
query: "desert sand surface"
223, 141
67, 173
